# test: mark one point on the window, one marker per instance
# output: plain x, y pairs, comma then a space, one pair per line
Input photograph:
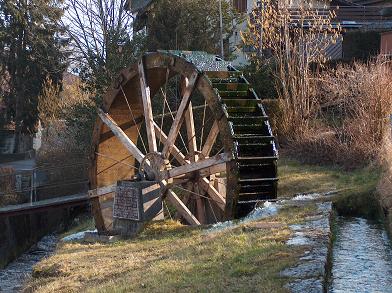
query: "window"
240, 5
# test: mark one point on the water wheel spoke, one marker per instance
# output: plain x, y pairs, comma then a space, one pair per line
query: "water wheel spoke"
120, 134
211, 138
174, 150
145, 90
199, 165
186, 197
175, 128
212, 192
190, 130
133, 118
182, 209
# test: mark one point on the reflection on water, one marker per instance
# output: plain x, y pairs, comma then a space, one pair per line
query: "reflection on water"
13, 277
362, 258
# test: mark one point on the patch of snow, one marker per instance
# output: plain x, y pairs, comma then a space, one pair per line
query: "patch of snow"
298, 239
77, 236
308, 196
267, 210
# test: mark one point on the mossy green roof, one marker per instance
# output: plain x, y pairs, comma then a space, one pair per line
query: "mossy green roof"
136, 5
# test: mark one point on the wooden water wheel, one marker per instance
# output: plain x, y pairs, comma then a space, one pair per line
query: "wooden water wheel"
192, 123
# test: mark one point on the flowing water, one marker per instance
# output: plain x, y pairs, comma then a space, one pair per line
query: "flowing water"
362, 258
13, 277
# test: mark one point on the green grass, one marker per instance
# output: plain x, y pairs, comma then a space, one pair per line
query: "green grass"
170, 257
356, 190
295, 177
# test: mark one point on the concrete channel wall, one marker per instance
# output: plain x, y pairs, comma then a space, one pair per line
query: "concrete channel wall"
19, 232
311, 273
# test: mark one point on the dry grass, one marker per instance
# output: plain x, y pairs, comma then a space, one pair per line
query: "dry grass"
169, 257
385, 185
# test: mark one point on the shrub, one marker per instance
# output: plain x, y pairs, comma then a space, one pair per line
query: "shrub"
67, 116
261, 77
354, 117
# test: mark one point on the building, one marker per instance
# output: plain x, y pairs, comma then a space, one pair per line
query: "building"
355, 17
362, 21
386, 44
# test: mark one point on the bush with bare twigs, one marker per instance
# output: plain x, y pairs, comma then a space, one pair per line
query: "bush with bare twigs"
8, 194
295, 40
67, 118
355, 106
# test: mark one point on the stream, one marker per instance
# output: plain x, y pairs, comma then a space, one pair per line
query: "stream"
362, 258
13, 277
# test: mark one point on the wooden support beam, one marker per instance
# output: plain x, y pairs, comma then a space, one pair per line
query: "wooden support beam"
97, 213
200, 206
211, 138
125, 140
181, 208
102, 190
175, 128
145, 90
213, 193
174, 150
213, 170
202, 164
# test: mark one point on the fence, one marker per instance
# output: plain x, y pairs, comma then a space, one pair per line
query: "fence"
361, 14
42, 182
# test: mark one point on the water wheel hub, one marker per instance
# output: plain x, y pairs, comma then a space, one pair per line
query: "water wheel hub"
154, 167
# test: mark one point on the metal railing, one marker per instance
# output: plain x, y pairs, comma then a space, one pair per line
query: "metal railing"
44, 181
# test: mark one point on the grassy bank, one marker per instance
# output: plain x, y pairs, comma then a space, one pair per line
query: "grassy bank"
170, 257
356, 191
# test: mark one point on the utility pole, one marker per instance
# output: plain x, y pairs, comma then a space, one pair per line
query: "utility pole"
261, 7
221, 29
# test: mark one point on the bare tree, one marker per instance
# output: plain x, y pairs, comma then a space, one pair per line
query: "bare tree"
102, 39
297, 38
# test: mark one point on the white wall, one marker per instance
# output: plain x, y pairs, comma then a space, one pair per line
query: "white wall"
241, 57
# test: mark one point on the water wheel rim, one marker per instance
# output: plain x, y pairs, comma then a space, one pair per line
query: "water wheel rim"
154, 64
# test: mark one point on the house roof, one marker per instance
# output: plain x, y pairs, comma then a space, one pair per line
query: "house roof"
137, 5
370, 2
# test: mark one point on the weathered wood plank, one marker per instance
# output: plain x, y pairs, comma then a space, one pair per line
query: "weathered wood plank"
191, 133
125, 140
200, 206
174, 150
213, 170
202, 164
182, 208
102, 190
175, 128
213, 193
145, 90
211, 138
64, 201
